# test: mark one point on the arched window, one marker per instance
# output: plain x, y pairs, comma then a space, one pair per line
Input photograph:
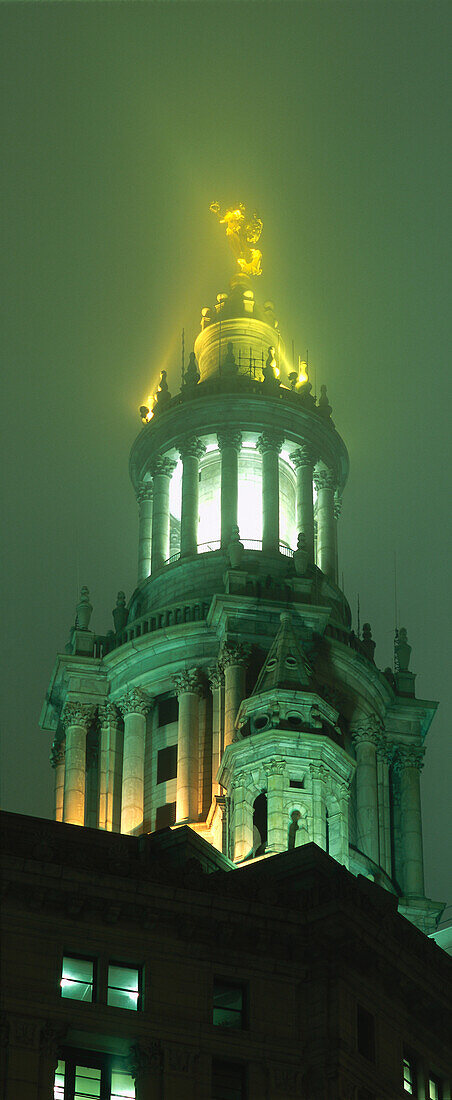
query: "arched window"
260, 824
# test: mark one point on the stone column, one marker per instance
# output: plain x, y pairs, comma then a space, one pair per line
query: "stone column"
337, 514
233, 660
343, 796
276, 826
269, 444
319, 776
57, 759
242, 820
23, 1058
216, 684
146, 1067
384, 757
191, 451
144, 498
188, 689
365, 738
76, 718
134, 707
326, 543
162, 472
92, 785
229, 443
111, 753
408, 762
52, 1036
304, 460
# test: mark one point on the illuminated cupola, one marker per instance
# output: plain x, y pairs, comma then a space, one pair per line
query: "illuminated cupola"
232, 694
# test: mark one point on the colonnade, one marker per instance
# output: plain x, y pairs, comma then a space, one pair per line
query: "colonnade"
153, 498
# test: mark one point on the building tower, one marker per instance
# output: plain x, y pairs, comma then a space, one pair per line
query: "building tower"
233, 695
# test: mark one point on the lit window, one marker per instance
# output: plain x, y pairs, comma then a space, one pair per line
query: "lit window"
87, 1082
123, 987
434, 1088
228, 1004
77, 979
58, 1088
122, 1086
408, 1076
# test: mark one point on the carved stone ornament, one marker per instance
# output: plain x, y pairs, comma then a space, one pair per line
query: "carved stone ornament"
216, 677
108, 714
57, 754
408, 756
145, 1057
229, 437
181, 1059
324, 479
188, 682
304, 456
337, 506
163, 465
234, 653
52, 1035
274, 767
191, 448
135, 702
319, 771
368, 730
24, 1032
270, 441
284, 1079
145, 492
77, 714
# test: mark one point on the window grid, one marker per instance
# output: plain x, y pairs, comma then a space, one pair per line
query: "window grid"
124, 986
228, 1004
77, 978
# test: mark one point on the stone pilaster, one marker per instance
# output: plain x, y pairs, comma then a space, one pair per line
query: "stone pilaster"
189, 689
23, 1058
57, 760
408, 761
134, 707
51, 1038
337, 516
384, 758
242, 819
229, 443
304, 460
275, 771
111, 754
191, 450
234, 658
269, 444
216, 680
319, 775
326, 543
366, 736
76, 718
162, 473
144, 497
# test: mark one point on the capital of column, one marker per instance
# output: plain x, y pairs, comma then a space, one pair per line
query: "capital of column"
108, 714
163, 465
270, 441
319, 771
216, 677
135, 702
144, 492
57, 753
229, 437
304, 456
188, 682
191, 448
367, 731
408, 756
274, 767
324, 479
234, 653
77, 714
145, 1056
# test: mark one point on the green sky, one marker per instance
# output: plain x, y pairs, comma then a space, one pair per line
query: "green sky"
121, 123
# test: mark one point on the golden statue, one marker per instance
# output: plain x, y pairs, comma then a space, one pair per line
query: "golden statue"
242, 235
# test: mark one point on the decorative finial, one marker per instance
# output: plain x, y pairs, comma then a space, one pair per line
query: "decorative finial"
236, 549
192, 374
324, 405
367, 642
162, 395
271, 370
83, 610
242, 236
229, 365
301, 555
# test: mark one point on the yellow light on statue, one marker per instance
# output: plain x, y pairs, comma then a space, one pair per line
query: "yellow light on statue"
302, 372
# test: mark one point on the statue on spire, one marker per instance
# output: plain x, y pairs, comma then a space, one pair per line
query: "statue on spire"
242, 234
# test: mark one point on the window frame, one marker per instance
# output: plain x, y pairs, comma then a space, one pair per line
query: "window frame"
233, 984
409, 1057
126, 966
434, 1079
166, 749
81, 958
90, 1059
372, 1060
240, 1066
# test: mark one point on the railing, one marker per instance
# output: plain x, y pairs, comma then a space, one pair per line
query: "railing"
248, 544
